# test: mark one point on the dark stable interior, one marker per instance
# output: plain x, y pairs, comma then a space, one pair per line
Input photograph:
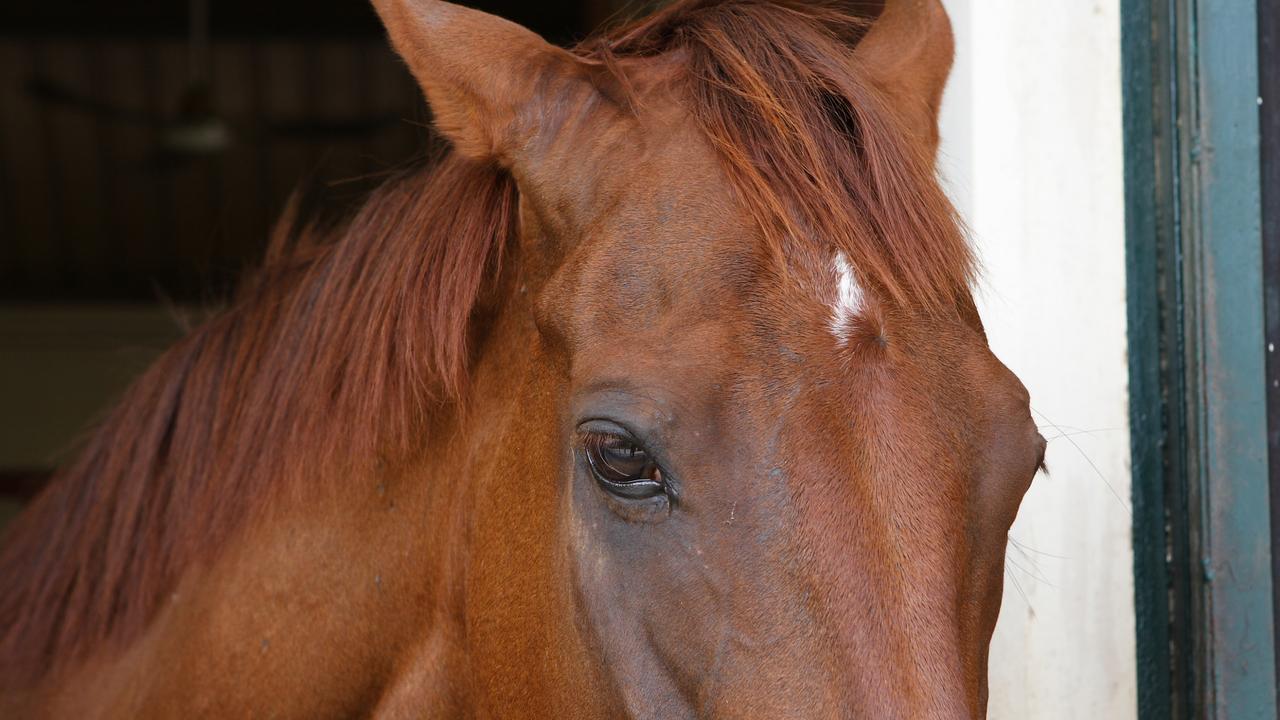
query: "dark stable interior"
146, 150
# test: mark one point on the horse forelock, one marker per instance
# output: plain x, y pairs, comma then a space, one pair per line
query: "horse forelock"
818, 155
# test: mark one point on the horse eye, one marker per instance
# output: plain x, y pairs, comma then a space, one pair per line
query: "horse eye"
623, 468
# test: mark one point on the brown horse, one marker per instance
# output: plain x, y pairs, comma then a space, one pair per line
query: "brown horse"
662, 395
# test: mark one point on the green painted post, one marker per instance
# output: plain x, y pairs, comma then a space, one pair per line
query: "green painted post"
1231, 345
1145, 199
1197, 360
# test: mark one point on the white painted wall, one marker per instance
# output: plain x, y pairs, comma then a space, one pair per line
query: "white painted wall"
1033, 154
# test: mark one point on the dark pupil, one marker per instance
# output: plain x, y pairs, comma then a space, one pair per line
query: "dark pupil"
618, 460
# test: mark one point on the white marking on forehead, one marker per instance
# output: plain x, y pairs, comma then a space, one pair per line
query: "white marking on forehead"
848, 304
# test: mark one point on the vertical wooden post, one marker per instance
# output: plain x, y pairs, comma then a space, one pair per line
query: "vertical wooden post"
1269, 136
1202, 535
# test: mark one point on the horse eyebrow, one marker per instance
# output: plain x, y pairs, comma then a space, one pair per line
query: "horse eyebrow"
631, 394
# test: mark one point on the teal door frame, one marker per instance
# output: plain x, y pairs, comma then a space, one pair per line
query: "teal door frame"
1201, 498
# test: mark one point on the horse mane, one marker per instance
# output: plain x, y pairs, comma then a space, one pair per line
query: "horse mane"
337, 352
330, 356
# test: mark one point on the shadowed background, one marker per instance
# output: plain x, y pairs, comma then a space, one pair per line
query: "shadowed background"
146, 148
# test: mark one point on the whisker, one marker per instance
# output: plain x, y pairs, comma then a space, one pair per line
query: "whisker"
1087, 459
1034, 564
1030, 608
1034, 573
1076, 433
1073, 430
1026, 548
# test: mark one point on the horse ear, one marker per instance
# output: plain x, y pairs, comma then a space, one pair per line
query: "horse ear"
487, 79
907, 53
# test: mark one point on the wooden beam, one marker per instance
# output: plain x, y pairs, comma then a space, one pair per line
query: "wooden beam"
1202, 525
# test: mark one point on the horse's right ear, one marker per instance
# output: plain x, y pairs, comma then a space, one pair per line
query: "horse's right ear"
907, 52
488, 80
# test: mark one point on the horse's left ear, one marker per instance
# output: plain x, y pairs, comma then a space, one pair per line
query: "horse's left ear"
489, 81
907, 53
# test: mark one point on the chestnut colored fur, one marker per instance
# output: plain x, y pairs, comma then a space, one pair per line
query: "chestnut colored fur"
347, 358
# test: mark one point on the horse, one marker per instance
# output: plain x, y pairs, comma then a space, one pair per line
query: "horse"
661, 393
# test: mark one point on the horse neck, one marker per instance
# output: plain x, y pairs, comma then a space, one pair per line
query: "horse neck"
475, 491
375, 564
